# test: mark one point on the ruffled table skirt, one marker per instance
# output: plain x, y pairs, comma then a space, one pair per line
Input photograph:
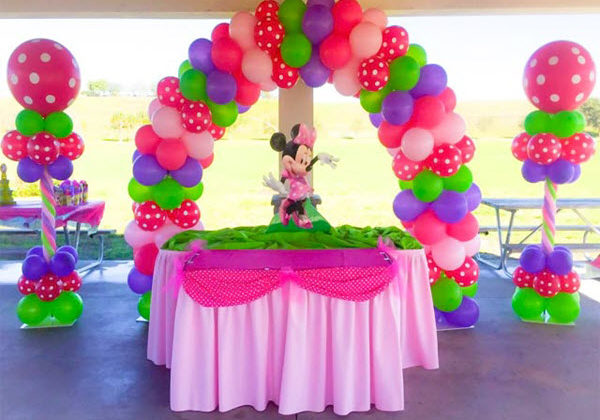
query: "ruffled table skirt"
301, 350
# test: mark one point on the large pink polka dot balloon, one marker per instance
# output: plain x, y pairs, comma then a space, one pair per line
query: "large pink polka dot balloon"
43, 76
559, 76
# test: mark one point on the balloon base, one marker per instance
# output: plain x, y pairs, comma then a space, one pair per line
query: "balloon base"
546, 320
49, 322
141, 319
443, 325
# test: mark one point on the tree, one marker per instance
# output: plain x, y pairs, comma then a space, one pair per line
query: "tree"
591, 111
97, 87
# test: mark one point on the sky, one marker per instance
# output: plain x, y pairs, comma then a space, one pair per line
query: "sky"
484, 56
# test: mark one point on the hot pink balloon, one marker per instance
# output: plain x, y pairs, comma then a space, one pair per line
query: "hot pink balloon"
241, 29
154, 106
166, 123
199, 145
43, 76
136, 236
257, 66
345, 79
448, 254
428, 229
365, 40
417, 144
376, 17
451, 130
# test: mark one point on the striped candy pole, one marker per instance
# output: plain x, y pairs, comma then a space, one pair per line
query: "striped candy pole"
549, 213
48, 215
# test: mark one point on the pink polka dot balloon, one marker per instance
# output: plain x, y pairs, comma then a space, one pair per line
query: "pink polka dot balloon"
559, 76
43, 76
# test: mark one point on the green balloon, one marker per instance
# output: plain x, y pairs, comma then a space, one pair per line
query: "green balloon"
31, 310
67, 307
144, 305
290, 14
404, 73
138, 192
471, 290
371, 101
29, 122
296, 49
527, 304
183, 67
193, 193
405, 185
567, 123
427, 186
59, 124
418, 53
223, 115
461, 181
538, 122
168, 194
563, 308
446, 294
193, 85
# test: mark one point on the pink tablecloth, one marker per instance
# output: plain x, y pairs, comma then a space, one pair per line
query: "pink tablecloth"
27, 213
301, 350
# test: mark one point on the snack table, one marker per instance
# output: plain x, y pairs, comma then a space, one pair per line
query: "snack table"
315, 328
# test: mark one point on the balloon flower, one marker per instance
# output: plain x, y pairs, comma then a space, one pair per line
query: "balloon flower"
558, 79
44, 78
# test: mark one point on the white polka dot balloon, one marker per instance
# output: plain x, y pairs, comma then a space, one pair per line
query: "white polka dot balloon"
43, 76
559, 76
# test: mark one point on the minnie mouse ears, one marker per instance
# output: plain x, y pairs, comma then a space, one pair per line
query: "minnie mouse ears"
278, 142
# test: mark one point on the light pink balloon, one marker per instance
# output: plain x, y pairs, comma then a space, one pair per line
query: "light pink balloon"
257, 66
154, 106
375, 16
166, 123
448, 254
345, 79
136, 236
365, 40
472, 247
451, 130
268, 85
241, 29
417, 144
199, 145
393, 152
170, 229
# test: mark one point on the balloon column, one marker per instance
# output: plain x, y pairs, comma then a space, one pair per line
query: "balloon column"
319, 41
44, 78
558, 79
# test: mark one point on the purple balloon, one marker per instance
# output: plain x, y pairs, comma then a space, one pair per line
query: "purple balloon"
407, 207
147, 171
560, 261
326, 3
450, 207
376, 119
242, 108
432, 81
560, 171
136, 154
139, 283
397, 107
314, 73
576, 173
62, 263
317, 23
34, 267
533, 172
71, 250
473, 196
533, 259
221, 87
199, 55
36, 250
61, 168
190, 174
29, 171
465, 315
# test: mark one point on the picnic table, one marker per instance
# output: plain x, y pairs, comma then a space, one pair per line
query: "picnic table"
514, 205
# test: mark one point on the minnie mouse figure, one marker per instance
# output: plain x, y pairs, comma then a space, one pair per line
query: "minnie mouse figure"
297, 161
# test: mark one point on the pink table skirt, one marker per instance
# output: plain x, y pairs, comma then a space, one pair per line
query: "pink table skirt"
27, 213
301, 350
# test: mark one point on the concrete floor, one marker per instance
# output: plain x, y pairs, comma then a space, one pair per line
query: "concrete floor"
502, 369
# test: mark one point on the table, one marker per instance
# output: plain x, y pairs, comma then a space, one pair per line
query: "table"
299, 349
513, 205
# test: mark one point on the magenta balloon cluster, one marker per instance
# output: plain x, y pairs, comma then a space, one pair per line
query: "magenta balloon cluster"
558, 79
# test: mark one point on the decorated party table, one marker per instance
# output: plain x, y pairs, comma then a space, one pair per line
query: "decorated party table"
245, 318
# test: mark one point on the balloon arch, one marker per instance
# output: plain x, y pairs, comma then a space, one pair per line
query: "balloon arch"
322, 41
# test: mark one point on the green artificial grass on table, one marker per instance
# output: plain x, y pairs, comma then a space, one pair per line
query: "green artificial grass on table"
255, 237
